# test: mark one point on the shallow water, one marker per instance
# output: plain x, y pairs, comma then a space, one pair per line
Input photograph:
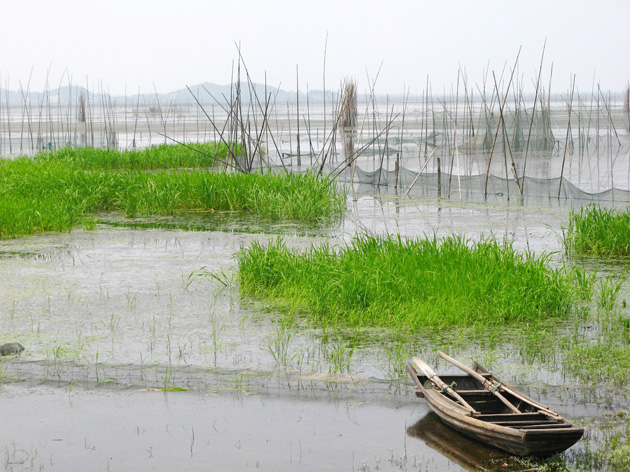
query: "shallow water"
129, 429
106, 314
144, 296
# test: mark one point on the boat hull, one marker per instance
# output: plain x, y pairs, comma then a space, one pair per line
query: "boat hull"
533, 431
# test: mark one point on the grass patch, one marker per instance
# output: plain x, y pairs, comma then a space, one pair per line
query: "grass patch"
607, 443
388, 281
163, 156
598, 231
57, 194
599, 363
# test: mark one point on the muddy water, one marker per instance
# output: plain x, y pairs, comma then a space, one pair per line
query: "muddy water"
109, 316
105, 429
146, 296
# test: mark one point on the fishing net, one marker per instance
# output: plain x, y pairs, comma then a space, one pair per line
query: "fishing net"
474, 186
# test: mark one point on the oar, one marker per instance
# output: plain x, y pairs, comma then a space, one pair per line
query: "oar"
542, 408
433, 377
492, 387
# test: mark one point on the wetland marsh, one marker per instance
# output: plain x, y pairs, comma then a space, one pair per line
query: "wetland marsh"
110, 313
145, 347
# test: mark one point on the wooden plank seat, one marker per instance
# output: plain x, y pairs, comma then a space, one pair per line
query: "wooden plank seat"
519, 424
549, 426
492, 417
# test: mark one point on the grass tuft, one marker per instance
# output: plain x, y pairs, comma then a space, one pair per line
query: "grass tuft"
599, 363
388, 281
58, 191
163, 156
598, 231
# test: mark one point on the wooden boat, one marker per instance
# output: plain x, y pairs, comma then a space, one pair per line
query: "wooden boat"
465, 452
480, 406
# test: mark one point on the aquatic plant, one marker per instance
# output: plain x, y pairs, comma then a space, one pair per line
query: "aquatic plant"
602, 362
389, 281
607, 294
585, 280
555, 463
163, 156
339, 354
57, 195
278, 344
598, 231
609, 448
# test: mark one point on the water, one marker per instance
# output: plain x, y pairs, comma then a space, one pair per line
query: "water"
107, 314
109, 317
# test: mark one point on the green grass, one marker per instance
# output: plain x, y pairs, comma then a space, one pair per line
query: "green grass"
604, 359
598, 231
59, 193
608, 443
599, 363
164, 156
388, 281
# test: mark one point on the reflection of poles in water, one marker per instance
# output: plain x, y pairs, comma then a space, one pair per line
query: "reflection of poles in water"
348, 118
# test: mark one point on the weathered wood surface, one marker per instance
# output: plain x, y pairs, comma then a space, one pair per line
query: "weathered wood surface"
492, 387
433, 377
535, 430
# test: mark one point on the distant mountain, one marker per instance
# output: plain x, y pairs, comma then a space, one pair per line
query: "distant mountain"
206, 93
61, 96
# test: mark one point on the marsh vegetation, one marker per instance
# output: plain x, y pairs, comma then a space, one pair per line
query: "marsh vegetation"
316, 290
388, 281
598, 231
61, 190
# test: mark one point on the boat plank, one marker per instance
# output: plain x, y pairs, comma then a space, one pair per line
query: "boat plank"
520, 424
549, 426
533, 429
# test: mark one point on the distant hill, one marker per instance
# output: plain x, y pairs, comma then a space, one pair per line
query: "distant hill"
206, 93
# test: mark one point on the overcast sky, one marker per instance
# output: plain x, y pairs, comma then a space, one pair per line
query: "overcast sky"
127, 45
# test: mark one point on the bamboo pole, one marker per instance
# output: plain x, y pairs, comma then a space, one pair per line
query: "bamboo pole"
9, 117
419, 173
324, 85
609, 114
485, 191
439, 178
529, 134
365, 116
492, 387
297, 110
1, 121
433, 377
566, 141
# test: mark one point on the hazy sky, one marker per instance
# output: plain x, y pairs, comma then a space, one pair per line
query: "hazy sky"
142, 44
